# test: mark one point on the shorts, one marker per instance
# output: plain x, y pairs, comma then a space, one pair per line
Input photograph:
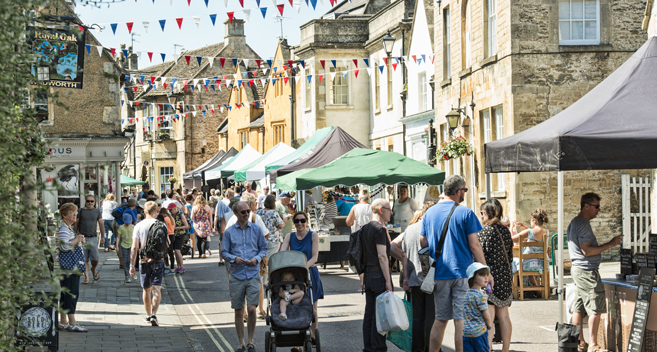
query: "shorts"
476, 344
151, 273
178, 241
240, 289
90, 248
449, 298
589, 292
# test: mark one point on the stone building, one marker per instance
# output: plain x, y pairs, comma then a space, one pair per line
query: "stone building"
83, 127
167, 146
520, 63
277, 118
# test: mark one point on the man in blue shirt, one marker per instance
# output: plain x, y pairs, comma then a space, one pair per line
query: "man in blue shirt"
461, 248
243, 247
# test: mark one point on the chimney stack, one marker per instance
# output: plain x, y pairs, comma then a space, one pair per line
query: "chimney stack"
234, 37
132, 59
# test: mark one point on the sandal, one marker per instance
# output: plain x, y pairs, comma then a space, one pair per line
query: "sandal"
63, 326
597, 348
77, 328
583, 347
86, 281
96, 276
262, 315
106, 250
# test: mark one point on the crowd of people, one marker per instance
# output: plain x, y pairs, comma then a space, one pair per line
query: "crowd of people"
455, 266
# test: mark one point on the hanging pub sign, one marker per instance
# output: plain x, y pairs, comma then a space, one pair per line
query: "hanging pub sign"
60, 56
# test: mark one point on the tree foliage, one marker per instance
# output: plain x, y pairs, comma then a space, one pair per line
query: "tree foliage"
22, 149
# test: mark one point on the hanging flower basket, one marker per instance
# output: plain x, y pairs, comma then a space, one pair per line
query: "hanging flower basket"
454, 148
173, 179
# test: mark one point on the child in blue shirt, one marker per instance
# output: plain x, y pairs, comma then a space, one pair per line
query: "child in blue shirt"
477, 318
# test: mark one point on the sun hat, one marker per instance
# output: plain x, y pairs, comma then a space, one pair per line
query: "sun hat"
473, 268
142, 203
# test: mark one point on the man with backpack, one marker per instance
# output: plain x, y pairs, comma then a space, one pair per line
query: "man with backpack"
149, 243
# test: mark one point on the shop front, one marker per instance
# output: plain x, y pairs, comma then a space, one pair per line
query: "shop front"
76, 167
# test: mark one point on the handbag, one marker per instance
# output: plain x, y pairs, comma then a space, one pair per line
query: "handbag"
403, 339
513, 267
73, 259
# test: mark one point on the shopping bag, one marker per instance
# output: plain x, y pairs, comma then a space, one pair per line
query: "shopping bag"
390, 313
73, 260
567, 337
429, 282
403, 339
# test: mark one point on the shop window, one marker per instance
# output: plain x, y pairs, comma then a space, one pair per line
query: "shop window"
492, 121
579, 22
339, 88
41, 104
447, 42
422, 89
377, 89
491, 28
279, 134
165, 173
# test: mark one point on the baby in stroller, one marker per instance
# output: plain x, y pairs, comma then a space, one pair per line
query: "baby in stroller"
290, 294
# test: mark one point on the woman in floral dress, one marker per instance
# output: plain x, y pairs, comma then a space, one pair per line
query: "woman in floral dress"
202, 220
497, 245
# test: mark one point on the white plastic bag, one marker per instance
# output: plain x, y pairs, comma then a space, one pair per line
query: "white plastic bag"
390, 313
429, 282
570, 300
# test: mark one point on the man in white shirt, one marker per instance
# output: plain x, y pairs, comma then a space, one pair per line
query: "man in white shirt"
151, 271
261, 198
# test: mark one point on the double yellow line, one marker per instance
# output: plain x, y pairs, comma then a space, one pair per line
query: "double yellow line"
206, 327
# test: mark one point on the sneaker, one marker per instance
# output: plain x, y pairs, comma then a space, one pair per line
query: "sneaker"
127, 279
242, 348
250, 348
168, 271
282, 317
147, 320
181, 270
154, 320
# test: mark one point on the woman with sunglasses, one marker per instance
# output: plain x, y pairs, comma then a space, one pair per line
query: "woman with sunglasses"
306, 242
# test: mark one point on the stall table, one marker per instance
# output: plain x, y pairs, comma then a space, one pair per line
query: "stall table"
338, 252
615, 325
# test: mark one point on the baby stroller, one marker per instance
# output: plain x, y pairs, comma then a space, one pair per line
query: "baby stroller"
295, 331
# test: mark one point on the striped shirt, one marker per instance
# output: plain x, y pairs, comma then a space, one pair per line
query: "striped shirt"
65, 236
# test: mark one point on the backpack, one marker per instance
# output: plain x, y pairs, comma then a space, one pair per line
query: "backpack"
156, 241
355, 252
117, 213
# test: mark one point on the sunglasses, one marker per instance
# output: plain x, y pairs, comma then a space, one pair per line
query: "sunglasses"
90, 201
296, 221
386, 209
595, 206
463, 189
243, 212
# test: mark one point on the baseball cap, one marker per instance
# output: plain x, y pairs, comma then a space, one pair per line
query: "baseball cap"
127, 218
473, 268
285, 194
171, 206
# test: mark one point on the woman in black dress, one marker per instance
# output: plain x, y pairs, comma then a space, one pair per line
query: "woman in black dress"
497, 244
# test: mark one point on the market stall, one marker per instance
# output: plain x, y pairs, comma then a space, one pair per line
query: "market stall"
317, 137
611, 127
191, 178
129, 181
255, 171
241, 159
358, 166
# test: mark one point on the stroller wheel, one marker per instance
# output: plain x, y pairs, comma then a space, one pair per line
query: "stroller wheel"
273, 347
267, 341
309, 346
318, 347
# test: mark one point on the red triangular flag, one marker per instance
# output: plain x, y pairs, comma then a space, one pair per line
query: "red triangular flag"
187, 57
129, 24
414, 58
432, 57
251, 82
185, 87
265, 101
320, 78
255, 73
185, 83
218, 82
212, 111
150, 55
135, 88
153, 81
258, 63
200, 107
159, 106
185, 114
242, 3
284, 67
137, 103
385, 60
113, 51
322, 62
280, 8
291, 4
355, 62
189, 2
394, 66
356, 73
206, 88
179, 20
165, 85
81, 28
290, 62
286, 79
222, 60
230, 16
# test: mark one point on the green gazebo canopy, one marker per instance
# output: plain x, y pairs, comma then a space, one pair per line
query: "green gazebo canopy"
129, 181
363, 166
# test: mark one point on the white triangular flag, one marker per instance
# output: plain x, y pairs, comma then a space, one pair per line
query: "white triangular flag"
145, 86
210, 61
138, 54
344, 62
246, 61
247, 14
297, 5
196, 81
100, 50
170, 2
130, 103
219, 86
264, 71
226, 3
197, 20
97, 29
273, 2
194, 113
263, 81
280, 63
132, 77
221, 109
296, 79
332, 75
146, 24
369, 70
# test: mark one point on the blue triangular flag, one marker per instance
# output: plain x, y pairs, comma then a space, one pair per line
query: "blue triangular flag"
142, 79
125, 90
314, 3
176, 115
88, 48
187, 107
127, 79
206, 3
125, 53
381, 68
419, 60
367, 62
213, 18
396, 59
239, 83
122, 121
306, 2
162, 23
199, 58
207, 82
234, 62
173, 81
310, 77
212, 86
275, 69
122, 102
424, 58
333, 62
244, 74
344, 74
192, 87
273, 81
269, 63
303, 63
167, 105
163, 56
203, 112
113, 25
264, 11
258, 2
230, 107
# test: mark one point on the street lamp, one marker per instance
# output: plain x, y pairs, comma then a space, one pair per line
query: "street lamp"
453, 118
388, 43
172, 98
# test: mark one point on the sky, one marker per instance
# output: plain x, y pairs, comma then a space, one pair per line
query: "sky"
261, 34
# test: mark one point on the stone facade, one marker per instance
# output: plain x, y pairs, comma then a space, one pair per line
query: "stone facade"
277, 123
245, 120
526, 78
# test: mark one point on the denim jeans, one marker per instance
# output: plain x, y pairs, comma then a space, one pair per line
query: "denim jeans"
423, 317
375, 285
109, 226
126, 260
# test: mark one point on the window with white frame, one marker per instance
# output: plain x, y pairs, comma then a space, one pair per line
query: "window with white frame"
493, 129
491, 41
447, 40
466, 35
377, 89
339, 88
165, 174
41, 104
309, 91
389, 80
423, 93
43, 73
579, 22
244, 138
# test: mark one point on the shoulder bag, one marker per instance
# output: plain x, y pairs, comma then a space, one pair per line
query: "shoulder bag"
513, 267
